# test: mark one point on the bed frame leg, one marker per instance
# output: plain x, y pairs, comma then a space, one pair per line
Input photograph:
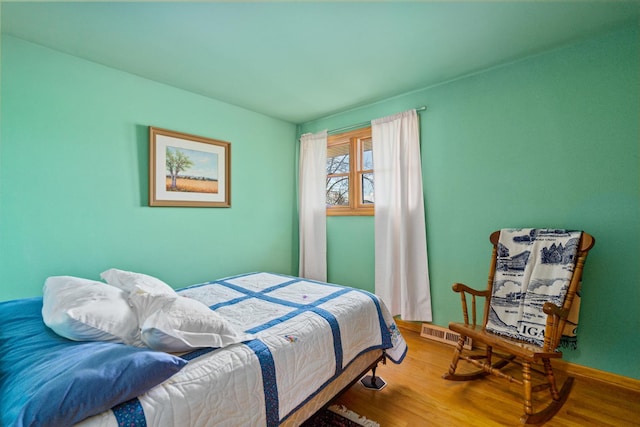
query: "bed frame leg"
371, 381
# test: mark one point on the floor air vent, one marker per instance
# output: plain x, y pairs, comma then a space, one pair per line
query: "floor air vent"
440, 334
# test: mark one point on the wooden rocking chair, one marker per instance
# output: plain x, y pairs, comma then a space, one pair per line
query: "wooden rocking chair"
498, 351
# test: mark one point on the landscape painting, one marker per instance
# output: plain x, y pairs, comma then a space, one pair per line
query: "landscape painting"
191, 170
188, 170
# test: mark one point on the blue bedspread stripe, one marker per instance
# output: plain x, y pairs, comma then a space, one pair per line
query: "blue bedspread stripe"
130, 414
335, 331
386, 334
268, 367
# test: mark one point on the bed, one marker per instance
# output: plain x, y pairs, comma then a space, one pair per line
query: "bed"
306, 342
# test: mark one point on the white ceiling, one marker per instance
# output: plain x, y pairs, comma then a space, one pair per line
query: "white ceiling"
298, 61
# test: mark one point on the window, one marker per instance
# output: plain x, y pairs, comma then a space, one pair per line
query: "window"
350, 173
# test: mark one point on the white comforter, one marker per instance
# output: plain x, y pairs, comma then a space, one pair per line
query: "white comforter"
306, 334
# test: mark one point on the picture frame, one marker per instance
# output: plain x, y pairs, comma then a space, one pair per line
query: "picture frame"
188, 170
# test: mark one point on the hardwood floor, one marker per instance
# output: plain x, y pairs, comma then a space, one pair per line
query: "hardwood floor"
416, 395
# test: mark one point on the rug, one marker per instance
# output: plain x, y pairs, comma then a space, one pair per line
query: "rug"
338, 416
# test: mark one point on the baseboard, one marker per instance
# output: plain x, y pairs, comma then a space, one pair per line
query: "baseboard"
597, 375
562, 365
412, 326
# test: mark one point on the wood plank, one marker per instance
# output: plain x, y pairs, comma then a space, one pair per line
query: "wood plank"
416, 395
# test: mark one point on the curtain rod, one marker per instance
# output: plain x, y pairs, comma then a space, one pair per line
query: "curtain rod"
363, 124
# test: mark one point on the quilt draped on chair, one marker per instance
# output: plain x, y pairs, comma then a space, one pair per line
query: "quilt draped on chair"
533, 266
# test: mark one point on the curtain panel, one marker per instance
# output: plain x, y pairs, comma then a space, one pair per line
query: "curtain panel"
401, 267
312, 209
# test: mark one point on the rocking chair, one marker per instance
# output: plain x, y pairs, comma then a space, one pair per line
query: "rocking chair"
498, 351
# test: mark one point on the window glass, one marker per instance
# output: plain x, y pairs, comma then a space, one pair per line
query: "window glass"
338, 159
367, 154
367, 188
338, 191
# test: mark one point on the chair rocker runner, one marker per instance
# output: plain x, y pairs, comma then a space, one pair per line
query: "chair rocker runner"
502, 343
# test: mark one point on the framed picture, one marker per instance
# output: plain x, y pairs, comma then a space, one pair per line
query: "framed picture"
188, 170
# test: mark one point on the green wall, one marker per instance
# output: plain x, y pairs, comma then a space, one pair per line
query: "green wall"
74, 178
549, 141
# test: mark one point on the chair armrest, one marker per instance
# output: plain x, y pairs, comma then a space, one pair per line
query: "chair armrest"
550, 308
556, 318
461, 287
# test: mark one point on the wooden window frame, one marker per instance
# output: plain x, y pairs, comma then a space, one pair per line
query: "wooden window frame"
355, 140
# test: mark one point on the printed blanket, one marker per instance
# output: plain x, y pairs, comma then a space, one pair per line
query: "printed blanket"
533, 266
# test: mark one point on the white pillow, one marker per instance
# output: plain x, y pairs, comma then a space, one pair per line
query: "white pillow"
128, 280
85, 310
176, 323
145, 301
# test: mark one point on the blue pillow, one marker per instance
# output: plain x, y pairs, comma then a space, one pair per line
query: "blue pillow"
49, 380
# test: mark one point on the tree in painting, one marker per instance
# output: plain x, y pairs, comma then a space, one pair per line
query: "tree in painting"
177, 161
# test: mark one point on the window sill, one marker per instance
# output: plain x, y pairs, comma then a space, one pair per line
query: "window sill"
350, 212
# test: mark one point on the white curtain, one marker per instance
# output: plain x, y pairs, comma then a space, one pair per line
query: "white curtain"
313, 209
401, 270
